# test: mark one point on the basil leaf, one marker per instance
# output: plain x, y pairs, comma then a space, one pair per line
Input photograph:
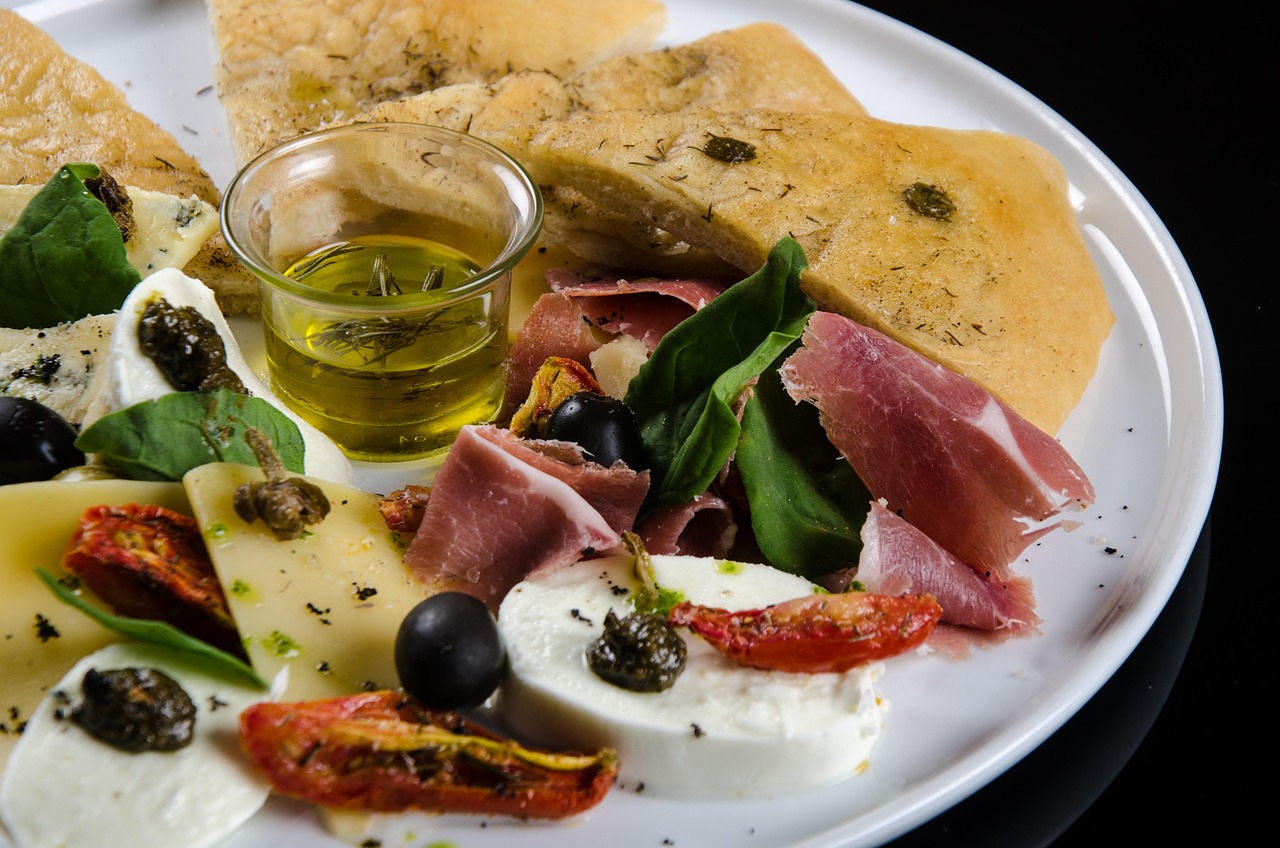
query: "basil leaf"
683, 394
153, 632
808, 505
64, 257
165, 438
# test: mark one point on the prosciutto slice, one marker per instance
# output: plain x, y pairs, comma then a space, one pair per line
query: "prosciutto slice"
704, 527
554, 327
897, 558
944, 453
501, 509
644, 307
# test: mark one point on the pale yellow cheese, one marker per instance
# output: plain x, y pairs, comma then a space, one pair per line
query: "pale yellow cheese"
39, 519
328, 605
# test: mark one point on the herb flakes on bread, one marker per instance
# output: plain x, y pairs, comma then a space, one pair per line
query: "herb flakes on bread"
292, 66
1002, 289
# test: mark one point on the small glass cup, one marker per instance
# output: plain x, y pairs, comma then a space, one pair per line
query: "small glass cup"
384, 253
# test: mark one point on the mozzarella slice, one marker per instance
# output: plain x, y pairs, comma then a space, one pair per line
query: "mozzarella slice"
722, 730
62, 787
134, 378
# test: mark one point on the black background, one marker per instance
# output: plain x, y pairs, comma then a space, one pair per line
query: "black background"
1178, 98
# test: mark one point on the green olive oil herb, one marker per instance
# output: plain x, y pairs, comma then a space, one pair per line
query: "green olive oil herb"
729, 150
930, 201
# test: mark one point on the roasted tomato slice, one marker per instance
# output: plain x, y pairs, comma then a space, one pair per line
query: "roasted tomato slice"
818, 633
150, 562
384, 752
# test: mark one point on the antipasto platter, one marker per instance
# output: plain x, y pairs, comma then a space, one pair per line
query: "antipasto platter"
1148, 433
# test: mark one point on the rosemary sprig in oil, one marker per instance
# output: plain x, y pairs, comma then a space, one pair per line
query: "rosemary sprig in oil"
373, 340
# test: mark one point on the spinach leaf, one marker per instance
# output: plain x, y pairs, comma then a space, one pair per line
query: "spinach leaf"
165, 438
683, 394
153, 632
64, 257
807, 503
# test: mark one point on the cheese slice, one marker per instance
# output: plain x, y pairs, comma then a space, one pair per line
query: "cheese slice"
168, 230
43, 638
328, 605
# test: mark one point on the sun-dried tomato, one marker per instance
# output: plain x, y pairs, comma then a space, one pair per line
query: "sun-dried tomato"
403, 508
819, 633
150, 562
384, 752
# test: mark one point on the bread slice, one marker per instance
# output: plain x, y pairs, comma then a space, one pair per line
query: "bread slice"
56, 109
1002, 289
759, 65
291, 66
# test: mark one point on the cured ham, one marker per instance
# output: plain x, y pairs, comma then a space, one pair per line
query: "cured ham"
898, 559
943, 452
554, 327
644, 307
561, 321
502, 508
705, 527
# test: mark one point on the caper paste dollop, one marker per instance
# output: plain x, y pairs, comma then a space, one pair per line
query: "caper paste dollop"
186, 347
136, 709
641, 653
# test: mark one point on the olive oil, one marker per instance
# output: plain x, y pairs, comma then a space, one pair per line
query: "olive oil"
399, 362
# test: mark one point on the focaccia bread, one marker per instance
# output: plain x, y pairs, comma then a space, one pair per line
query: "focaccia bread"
56, 109
759, 65
291, 66
1000, 288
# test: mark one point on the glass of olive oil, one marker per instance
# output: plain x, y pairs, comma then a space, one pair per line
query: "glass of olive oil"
384, 253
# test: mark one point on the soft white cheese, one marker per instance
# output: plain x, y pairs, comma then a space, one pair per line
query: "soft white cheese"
134, 378
62, 787
722, 730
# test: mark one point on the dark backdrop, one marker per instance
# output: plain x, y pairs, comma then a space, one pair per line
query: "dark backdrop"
1178, 97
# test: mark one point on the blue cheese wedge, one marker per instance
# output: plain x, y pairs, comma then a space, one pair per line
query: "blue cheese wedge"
57, 366
168, 230
721, 730
63, 787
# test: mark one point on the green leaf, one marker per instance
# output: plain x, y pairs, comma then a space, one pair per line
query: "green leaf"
165, 438
683, 395
808, 505
153, 632
64, 257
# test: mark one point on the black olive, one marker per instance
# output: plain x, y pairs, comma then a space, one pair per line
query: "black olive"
449, 653
35, 442
605, 427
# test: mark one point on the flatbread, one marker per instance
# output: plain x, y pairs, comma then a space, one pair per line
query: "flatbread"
56, 109
1004, 290
291, 66
759, 65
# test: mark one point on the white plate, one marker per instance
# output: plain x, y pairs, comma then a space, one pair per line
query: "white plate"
1148, 433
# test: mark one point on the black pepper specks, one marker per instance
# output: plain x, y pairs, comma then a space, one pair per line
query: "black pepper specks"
45, 629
